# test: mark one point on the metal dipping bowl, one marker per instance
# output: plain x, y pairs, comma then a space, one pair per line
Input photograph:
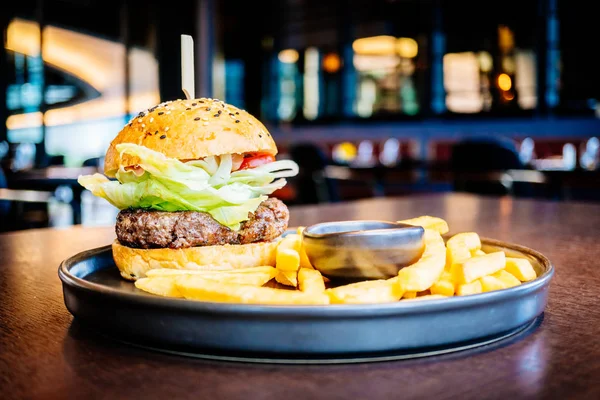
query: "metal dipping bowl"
362, 249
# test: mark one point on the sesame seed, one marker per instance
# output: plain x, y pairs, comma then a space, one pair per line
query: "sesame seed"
188, 109
205, 123
168, 112
140, 120
204, 119
155, 132
207, 108
193, 104
237, 113
259, 135
201, 101
237, 121
151, 119
231, 114
163, 136
197, 119
143, 125
216, 115
167, 129
219, 112
160, 112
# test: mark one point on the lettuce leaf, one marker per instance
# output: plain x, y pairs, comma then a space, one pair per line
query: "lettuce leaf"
207, 185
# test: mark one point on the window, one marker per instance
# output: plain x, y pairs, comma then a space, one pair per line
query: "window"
71, 95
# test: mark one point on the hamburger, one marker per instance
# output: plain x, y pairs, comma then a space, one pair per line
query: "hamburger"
191, 180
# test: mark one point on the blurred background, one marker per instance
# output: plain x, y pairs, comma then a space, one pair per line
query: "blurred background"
371, 97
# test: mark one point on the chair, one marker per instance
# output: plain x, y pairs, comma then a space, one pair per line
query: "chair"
4, 205
92, 162
312, 186
477, 164
22, 209
56, 161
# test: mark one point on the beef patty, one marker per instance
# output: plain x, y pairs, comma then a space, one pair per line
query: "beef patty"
149, 229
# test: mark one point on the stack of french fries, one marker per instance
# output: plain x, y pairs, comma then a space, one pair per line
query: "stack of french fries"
456, 267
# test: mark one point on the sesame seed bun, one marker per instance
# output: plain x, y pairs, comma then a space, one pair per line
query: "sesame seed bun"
190, 130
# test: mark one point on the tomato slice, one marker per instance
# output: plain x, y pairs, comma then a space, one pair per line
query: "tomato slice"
256, 160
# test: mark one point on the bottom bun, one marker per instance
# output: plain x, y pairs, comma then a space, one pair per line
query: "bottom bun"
134, 263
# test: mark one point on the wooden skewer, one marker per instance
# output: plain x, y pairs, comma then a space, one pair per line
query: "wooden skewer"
187, 66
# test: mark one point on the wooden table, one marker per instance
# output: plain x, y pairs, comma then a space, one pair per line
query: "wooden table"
45, 354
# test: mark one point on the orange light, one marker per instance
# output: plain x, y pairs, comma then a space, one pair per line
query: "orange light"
407, 47
508, 96
344, 152
506, 38
375, 45
332, 63
504, 82
288, 56
27, 120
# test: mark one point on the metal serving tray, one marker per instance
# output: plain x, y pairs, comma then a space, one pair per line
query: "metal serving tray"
99, 298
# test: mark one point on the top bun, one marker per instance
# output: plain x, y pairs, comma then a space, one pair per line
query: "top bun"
190, 130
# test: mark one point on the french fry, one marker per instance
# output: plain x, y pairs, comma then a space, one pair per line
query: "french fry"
428, 222
373, 291
428, 269
443, 287
287, 260
310, 281
521, 268
456, 256
291, 241
490, 283
288, 278
460, 248
426, 297
470, 240
159, 285
162, 281
446, 276
294, 241
469, 288
480, 266
304, 260
507, 278
409, 295
257, 278
210, 290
